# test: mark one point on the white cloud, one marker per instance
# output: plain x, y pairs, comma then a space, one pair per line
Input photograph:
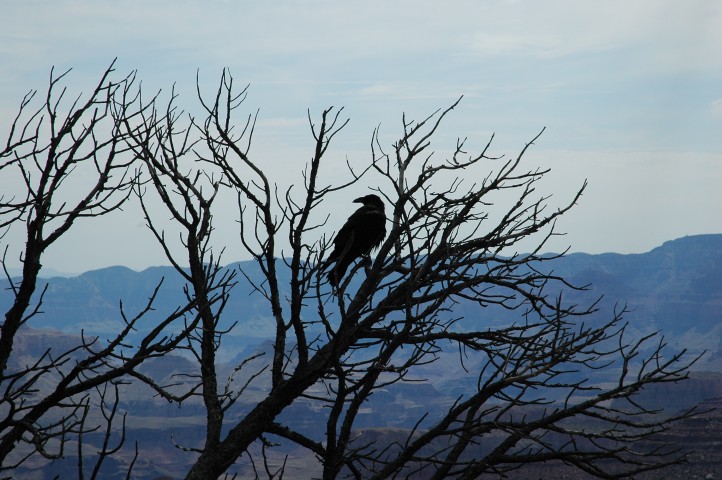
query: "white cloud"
716, 107
675, 35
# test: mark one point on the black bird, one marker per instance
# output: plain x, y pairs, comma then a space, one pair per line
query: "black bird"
362, 232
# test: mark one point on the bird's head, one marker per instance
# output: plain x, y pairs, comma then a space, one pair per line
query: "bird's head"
371, 200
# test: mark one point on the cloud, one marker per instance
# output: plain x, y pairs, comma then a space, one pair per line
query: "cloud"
673, 34
716, 107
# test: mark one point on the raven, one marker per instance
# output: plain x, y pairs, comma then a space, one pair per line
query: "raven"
364, 230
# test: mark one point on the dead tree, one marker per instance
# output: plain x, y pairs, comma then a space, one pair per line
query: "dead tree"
450, 258
453, 240
72, 163
188, 194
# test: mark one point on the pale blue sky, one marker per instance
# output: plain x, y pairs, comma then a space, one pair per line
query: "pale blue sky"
630, 93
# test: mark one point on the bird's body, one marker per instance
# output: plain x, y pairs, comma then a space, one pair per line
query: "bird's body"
363, 231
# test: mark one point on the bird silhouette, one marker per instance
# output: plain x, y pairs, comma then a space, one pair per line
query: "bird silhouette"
364, 231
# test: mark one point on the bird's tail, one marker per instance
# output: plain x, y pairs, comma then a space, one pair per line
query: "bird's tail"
336, 274
338, 270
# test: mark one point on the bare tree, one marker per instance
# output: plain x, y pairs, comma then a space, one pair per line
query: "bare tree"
451, 243
451, 256
54, 402
189, 195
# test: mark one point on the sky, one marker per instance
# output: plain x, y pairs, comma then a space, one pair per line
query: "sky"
630, 94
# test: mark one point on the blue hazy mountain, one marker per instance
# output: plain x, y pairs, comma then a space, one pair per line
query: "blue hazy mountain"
675, 288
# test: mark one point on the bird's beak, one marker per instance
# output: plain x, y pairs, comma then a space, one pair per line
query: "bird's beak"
359, 200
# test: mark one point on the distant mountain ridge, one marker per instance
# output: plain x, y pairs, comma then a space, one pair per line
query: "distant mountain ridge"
675, 288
